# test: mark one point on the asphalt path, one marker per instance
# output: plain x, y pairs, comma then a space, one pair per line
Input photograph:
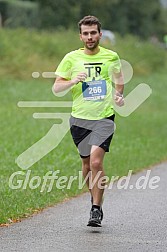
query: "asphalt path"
134, 220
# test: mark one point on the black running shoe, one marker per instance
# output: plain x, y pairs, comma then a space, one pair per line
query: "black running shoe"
100, 208
95, 218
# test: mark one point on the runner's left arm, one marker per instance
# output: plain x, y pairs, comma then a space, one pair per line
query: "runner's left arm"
119, 88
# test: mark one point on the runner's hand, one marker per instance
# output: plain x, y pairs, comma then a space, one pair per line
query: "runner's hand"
79, 78
119, 99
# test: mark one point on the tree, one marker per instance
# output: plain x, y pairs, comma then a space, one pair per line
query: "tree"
59, 13
142, 18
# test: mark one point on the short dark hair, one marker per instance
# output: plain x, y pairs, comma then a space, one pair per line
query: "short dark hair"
89, 20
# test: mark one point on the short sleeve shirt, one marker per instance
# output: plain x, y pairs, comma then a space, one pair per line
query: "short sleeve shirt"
92, 99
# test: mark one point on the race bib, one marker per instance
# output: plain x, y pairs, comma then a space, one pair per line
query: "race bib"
94, 90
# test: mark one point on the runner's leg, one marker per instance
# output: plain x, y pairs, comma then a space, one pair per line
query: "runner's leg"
96, 165
86, 170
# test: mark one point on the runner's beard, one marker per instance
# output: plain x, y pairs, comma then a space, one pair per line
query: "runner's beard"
92, 46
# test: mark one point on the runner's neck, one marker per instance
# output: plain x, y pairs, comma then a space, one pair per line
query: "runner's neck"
91, 52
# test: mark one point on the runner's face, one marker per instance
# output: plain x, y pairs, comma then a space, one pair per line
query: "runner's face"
90, 36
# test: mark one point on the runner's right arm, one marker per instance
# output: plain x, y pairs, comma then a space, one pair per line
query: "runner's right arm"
62, 84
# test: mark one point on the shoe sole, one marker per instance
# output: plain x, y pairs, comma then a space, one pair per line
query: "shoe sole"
93, 224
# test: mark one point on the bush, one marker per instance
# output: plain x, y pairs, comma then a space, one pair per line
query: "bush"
144, 56
19, 14
23, 51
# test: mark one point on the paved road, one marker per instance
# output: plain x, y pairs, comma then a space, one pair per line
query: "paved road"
134, 220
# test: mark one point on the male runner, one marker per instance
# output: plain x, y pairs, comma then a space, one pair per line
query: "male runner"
89, 73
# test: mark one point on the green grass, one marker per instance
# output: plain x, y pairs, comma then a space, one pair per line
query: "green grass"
139, 141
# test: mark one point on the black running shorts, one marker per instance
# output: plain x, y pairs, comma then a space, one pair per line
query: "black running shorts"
86, 133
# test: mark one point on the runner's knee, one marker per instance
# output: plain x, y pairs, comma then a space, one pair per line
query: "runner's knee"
96, 164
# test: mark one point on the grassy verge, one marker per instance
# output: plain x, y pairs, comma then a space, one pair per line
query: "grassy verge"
138, 143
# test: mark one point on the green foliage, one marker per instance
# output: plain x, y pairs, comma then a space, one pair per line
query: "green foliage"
19, 14
141, 18
144, 56
57, 14
139, 139
25, 51
29, 51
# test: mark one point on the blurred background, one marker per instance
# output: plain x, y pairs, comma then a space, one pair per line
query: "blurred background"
139, 17
146, 19
34, 37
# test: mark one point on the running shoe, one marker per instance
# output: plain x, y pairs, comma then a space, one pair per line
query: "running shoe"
100, 207
95, 218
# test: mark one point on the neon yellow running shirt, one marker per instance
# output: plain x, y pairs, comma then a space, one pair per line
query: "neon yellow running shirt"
92, 99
